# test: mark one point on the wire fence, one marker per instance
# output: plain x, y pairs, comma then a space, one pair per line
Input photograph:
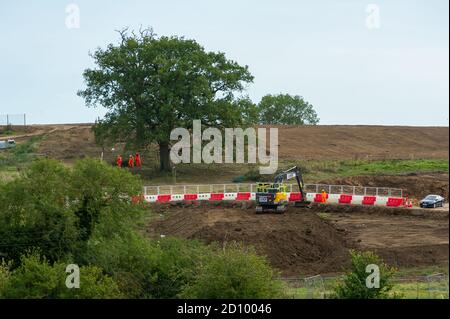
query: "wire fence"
238, 187
434, 286
13, 119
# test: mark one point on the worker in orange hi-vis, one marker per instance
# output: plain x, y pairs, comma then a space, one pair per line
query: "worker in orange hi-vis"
137, 159
131, 161
324, 196
119, 161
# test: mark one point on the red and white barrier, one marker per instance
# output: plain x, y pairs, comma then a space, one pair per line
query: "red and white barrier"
344, 199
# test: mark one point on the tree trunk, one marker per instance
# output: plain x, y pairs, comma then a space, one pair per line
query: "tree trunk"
164, 157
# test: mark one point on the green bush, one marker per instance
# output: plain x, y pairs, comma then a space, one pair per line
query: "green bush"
252, 175
57, 209
178, 265
130, 260
5, 275
84, 215
234, 272
353, 285
34, 213
36, 278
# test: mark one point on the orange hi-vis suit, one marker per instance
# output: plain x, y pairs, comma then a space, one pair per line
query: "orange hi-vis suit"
138, 161
131, 161
324, 196
119, 161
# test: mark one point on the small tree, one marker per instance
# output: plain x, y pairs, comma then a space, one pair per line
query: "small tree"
236, 272
354, 285
285, 109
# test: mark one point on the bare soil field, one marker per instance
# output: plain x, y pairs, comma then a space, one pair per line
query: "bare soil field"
313, 241
363, 142
321, 142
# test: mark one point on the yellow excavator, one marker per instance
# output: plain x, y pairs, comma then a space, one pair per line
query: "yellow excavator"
272, 197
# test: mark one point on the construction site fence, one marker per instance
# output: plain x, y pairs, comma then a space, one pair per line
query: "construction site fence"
434, 286
308, 188
13, 119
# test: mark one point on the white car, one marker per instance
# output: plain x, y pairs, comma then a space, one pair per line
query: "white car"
7, 144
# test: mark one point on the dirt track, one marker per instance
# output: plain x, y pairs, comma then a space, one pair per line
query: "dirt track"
362, 142
317, 240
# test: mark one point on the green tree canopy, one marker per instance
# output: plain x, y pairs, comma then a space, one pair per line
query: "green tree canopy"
353, 285
57, 209
38, 278
285, 109
151, 85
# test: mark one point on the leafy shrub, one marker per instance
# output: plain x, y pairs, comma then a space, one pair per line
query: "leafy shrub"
178, 265
33, 212
37, 278
57, 209
84, 214
130, 260
5, 275
234, 272
353, 285
238, 179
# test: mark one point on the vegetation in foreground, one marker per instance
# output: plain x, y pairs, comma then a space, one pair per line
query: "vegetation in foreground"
52, 216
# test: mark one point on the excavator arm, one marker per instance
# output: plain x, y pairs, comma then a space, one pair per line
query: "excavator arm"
289, 174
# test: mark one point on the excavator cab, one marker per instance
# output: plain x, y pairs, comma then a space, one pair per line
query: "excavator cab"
273, 196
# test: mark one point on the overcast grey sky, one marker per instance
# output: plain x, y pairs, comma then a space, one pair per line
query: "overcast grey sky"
353, 67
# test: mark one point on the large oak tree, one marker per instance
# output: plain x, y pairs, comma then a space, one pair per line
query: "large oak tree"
151, 84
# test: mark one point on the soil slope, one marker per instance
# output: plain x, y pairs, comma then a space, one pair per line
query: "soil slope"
321, 142
303, 242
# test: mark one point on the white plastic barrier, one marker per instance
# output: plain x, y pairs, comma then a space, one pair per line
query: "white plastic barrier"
312, 197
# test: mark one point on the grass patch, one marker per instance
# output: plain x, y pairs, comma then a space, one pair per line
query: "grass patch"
20, 155
392, 167
314, 171
324, 215
409, 283
320, 170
